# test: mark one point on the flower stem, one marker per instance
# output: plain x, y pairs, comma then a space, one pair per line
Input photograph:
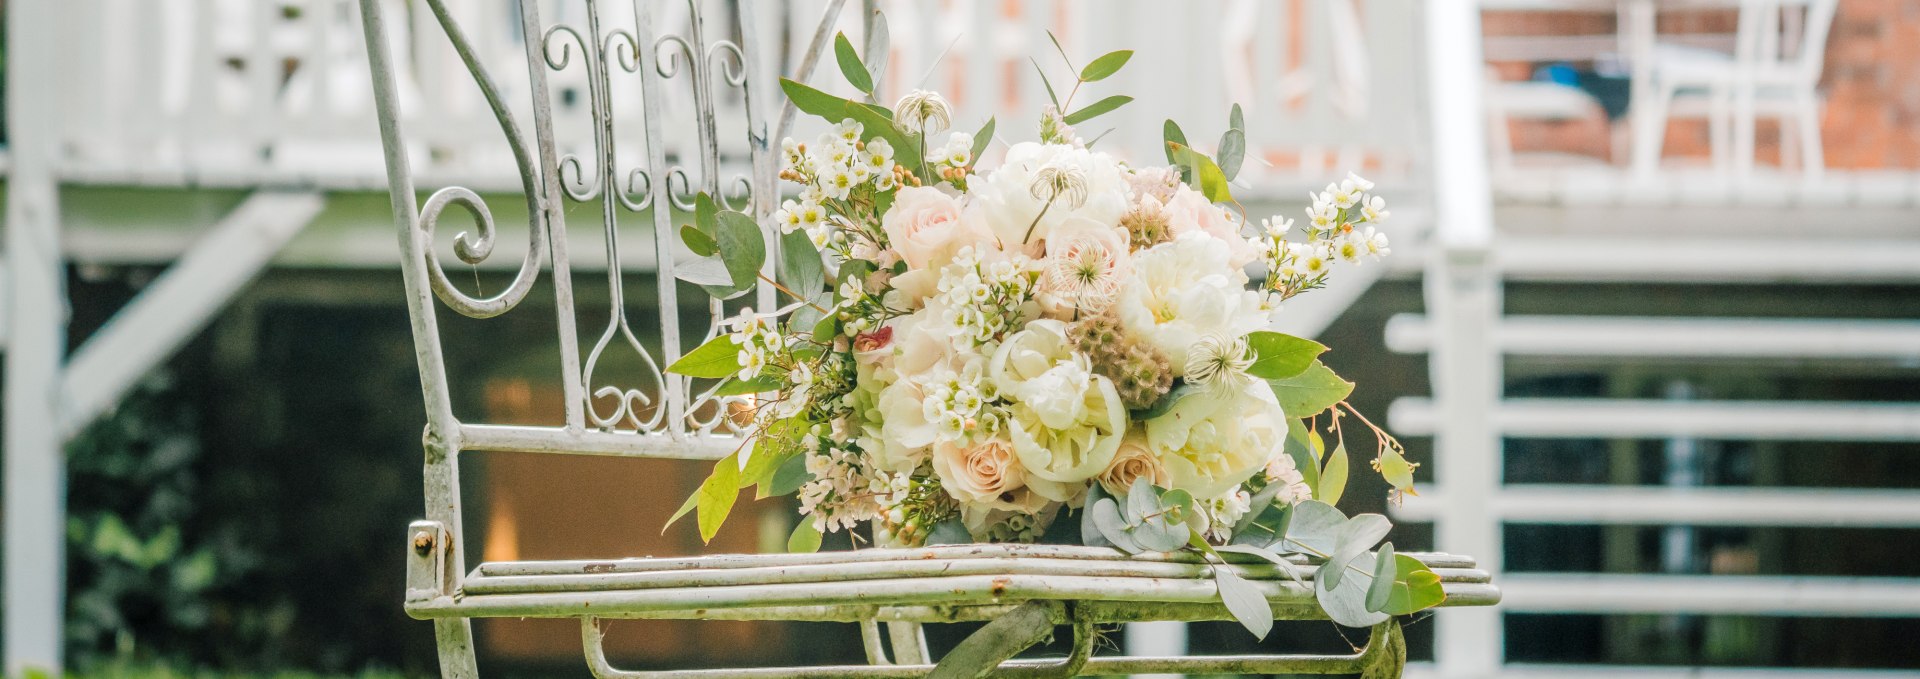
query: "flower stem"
791, 293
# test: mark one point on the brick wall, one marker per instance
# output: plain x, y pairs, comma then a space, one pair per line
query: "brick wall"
1871, 84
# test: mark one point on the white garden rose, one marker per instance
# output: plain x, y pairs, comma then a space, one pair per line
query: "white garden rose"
1185, 290
905, 433
1066, 421
1210, 442
925, 228
1009, 204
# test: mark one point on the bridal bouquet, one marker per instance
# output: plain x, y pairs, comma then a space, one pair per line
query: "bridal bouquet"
1065, 347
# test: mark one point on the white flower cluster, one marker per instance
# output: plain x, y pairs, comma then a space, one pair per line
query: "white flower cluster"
757, 338
964, 405
845, 490
830, 170
1340, 227
982, 299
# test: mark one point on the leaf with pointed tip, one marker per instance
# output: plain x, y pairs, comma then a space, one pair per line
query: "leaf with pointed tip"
1174, 138
734, 386
1097, 108
743, 248
1045, 83
875, 121
717, 495
850, 66
1288, 567
1415, 587
1310, 392
1395, 469
791, 475
1233, 152
1106, 518
1383, 575
1315, 529
1062, 50
1279, 355
981, 139
1207, 176
805, 538
1107, 65
1358, 535
1333, 477
800, 267
1242, 598
718, 357
1237, 120
699, 242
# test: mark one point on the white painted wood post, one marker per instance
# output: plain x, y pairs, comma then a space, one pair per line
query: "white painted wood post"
1463, 296
35, 492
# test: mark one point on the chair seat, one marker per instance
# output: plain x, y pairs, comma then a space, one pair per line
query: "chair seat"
934, 584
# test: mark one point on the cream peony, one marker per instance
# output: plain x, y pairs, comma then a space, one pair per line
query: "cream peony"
1185, 290
1133, 460
1211, 442
924, 227
1189, 211
1067, 422
1008, 204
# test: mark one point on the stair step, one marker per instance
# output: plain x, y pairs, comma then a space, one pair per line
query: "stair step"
1655, 418
1711, 594
1656, 505
1709, 261
1640, 337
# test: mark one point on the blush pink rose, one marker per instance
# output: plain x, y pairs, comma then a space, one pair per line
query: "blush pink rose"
1190, 211
924, 227
983, 474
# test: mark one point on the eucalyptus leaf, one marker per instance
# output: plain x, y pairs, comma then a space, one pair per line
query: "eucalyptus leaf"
1244, 601
1265, 523
981, 139
718, 357
1207, 176
949, 532
1383, 575
734, 386
805, 538
743, 246
1284, 566
1233, 152
1141, 500
1045, 83
1279, 355
1358, 535
1306, 448
1090, 534
1310, 392
1346, 604
879, 42
700, 242
1333, 477
1158, 534
800, 267
1174, 138
1315, 529
1415, 587
706, 272
1106, 65
1062, 50
850, 66
1107, 519
1237, 119
1090, 111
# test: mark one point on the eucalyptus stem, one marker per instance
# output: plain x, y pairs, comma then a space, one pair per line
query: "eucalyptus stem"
791, 293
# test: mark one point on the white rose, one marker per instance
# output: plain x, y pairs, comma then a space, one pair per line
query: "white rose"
1009, 207
1211, 442
1133, 460
904, 434
1189, 211
1066, 422
1185, 290
925, 228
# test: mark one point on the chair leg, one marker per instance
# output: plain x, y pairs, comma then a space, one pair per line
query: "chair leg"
1650, 134
455, 639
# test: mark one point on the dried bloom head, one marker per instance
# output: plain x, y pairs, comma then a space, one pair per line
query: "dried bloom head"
924, 111
1060, 181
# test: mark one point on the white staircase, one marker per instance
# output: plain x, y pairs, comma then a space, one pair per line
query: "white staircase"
1745, 339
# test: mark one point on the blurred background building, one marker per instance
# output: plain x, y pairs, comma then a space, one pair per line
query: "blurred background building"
1673, 393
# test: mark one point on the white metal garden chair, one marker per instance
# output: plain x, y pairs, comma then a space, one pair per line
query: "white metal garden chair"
660, 416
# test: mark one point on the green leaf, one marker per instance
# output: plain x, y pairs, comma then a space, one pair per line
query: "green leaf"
805, 538
1315, 529
1333, 477
1279, 356
1383, 575
850, 66
1008, 634
1107, 65
1357, 535
1233, 152
1346, 602
706, 213
1237, 119
1306, 449
1243, 600
1208, 178
1089, 532
1265, 522
718, 358
770, 452
1045, 83
743, 247
197, 572
981, 139
1310, 392
1062, 50
800, 267
1415, 587
717, 495
1395, 468
1096, 108
707, 272
791, 475
949, 532
875, 121
734, 386
1174, 139
700, 242
1106, 518
1284, 566
879, 40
